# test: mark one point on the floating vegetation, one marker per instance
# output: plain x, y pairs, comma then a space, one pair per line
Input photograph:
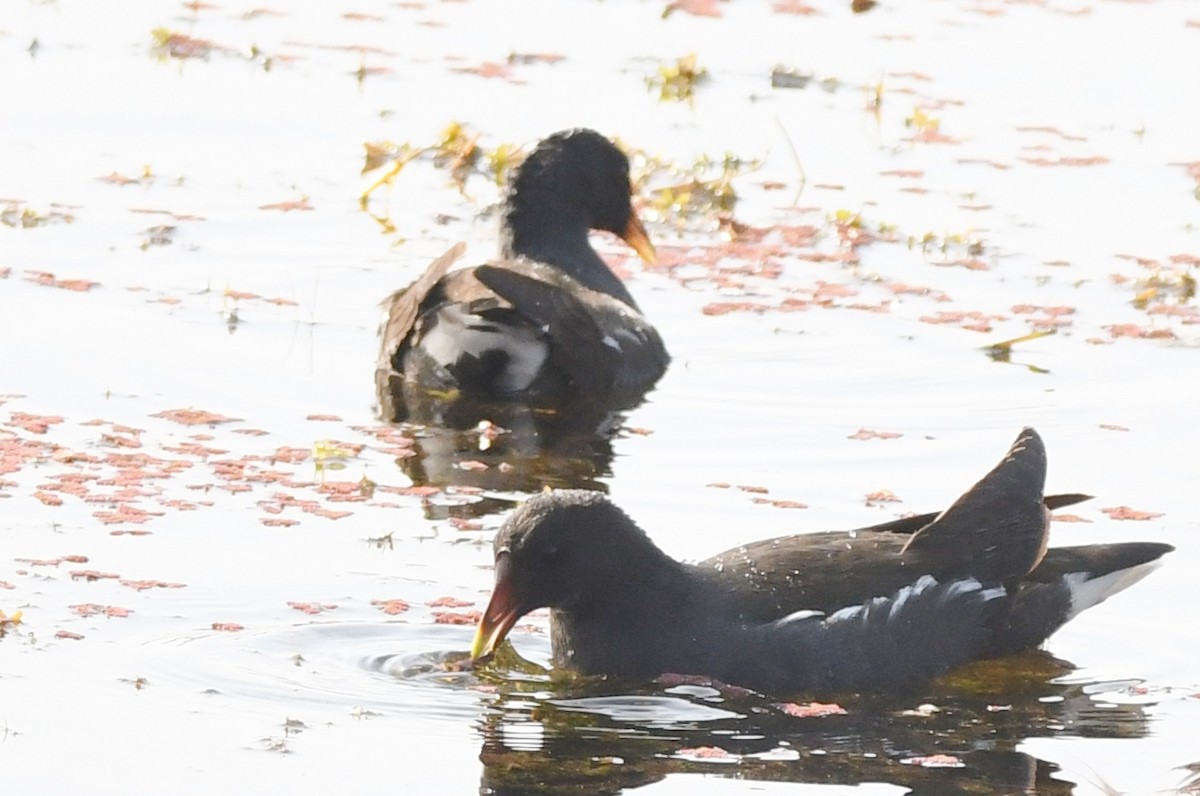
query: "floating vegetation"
1002, 351
691, 195
20, 216
167, 43
922, 122
952, 248
1166, 282
677, 82
9, 622
703, 195
328, 455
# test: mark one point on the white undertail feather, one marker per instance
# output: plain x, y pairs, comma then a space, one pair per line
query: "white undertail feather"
457, 332
1087, 591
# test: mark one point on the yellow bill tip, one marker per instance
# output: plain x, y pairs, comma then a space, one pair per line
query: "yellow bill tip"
635, 235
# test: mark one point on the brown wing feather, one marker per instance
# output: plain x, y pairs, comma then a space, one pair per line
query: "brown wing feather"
999, 528
405, 305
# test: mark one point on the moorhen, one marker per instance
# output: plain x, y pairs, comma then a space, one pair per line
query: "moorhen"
549, 323
881, 609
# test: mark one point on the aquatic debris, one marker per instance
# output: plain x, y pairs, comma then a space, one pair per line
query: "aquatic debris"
310, 608
14, 214
697, 8
924, 710
49, 280
193, 417
91, 609
780, 504
1094, 160
794, 7
52, 562
971, 320
1127, 513
927, 129
1118, 330
934, 761
166, 43
677, 82
227, 627
489, 69
1002, 351
866, 433
290, 204
536, 58
786, 77
92, 575
882, 496
142, 585
8, 622
449, 602
331, 455
726, 307
811, 710
699, 193
708, 754
125, 513
457, 617
1169, 280
391, 607
34, 424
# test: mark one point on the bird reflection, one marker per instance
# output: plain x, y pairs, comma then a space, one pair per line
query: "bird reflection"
959, 738
500, 448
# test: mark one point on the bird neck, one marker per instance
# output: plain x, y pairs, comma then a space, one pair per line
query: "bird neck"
561, 241
657, 598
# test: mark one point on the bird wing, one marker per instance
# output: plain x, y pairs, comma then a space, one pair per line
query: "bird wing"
994, 532
886, 644
404, 305
910, 525
577, 347
999, 528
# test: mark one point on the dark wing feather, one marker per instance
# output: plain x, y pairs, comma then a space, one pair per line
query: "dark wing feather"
576, 349
817, 571
999, 528
887, 644
917, 522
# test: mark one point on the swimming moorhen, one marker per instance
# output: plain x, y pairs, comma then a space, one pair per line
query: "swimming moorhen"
549, 323
883, 608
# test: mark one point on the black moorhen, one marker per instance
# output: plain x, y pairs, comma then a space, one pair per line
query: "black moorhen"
883, 608
549, 323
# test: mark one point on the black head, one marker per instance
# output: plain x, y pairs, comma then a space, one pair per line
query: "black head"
569, 550
572, 182
578, 175
568, 544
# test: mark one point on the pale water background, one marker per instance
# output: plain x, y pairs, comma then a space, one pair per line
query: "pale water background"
1068, 124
